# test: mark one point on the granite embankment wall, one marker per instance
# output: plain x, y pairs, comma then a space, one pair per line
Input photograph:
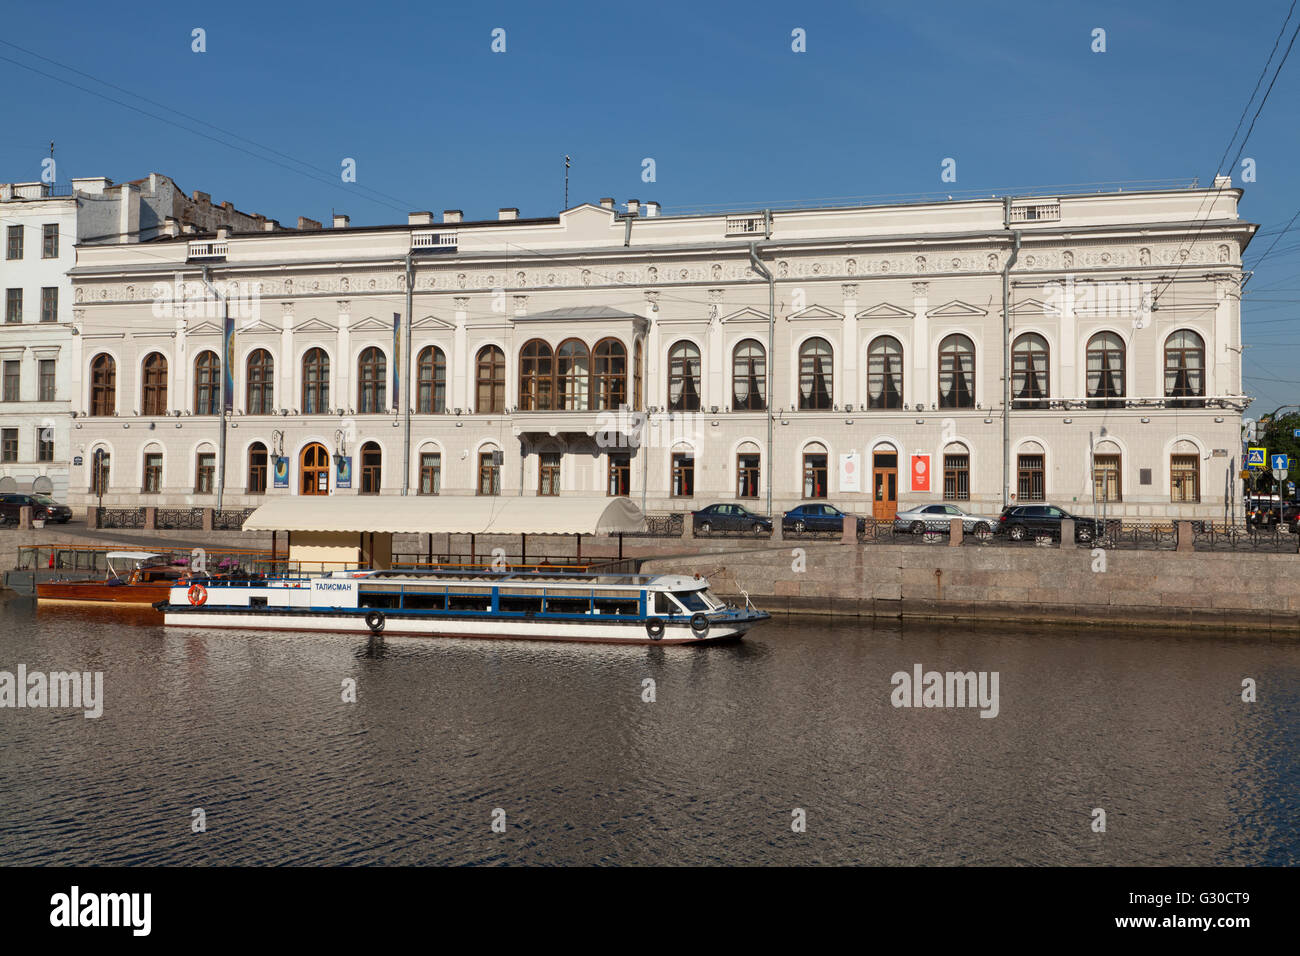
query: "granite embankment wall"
1259, 592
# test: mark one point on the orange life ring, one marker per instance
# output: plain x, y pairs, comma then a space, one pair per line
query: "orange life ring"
197, 594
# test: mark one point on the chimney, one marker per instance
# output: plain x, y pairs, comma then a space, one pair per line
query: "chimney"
419, 219
505, 213
634, 207
1222, 182
198, 197
271, 225
128, 213
452, 215
341, 221
223, 233
607, 202
651, 209
306, 224
171, 228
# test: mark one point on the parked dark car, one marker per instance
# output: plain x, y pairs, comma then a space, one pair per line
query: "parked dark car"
43, 507
729, 518
1262, 512
1021, 522
817, 518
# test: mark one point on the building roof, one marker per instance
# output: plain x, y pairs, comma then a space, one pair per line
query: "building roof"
489, 514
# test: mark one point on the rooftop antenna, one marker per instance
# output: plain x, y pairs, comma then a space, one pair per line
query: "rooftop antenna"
566, 182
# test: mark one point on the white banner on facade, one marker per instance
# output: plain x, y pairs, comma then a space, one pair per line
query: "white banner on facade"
850, 472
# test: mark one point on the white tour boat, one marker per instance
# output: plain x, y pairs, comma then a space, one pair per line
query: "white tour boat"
536, 604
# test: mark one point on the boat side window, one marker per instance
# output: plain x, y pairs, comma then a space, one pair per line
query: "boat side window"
691, 600
567, 605
520, 603
617, 605
664, 604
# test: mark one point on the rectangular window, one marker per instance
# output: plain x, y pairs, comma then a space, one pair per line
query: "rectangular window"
45, 444
683, 475
956, 477
14, 247
1185, 479
747, 470
205, 474
619, 476
1105, 475
45, 380
49, 304
489, 473
814, 475
1029, 478
152, 473
50, 240
12, 372
548, 473
13, 305
8, 444
430, 472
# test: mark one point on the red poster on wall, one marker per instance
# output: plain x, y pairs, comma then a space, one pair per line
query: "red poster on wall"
920, 472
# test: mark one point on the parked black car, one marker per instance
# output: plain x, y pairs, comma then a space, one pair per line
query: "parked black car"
1263, 513
1021, 522
817, 518
729, 518
43, 506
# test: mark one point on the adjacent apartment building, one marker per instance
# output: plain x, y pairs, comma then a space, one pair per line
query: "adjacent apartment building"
615, 350
40, 226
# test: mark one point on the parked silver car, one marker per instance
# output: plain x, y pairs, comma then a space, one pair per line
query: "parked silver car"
924, 518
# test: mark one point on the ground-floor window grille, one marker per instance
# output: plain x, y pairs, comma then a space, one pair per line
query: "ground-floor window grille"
1030, 483
956, 477
1105, 476
1185, 479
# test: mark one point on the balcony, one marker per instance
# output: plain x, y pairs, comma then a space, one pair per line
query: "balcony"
433, 242
214, 249
1036, 212
754, 225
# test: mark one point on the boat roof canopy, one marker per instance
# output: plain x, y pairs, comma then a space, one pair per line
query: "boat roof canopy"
422, 514
133, 555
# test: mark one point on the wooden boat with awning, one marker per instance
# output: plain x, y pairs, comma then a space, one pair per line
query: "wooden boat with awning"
132, 577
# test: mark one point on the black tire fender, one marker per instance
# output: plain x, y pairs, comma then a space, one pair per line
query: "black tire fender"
699, 624
375, 620
654, 628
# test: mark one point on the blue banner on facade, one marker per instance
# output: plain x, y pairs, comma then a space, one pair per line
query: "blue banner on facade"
228, 364
397, 358
343, 475
281, 472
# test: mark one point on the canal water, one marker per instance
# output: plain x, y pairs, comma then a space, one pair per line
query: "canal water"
781, 749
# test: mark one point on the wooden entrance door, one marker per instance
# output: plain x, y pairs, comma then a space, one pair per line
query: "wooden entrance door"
884, 485
314, 466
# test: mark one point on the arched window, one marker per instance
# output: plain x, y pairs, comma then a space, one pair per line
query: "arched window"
684, 377
153, 385
315, 382
638, 392
207, 383
956, 372
609, 374
256, 469
1184, 368
431, 395
372, 462
885, 373
536, 377
259, 386
372, 369
1106, 371
1029, 380
100, 470
103, 385
816, 470
749, 377
151, 473
573, 375
490, 380
815, 374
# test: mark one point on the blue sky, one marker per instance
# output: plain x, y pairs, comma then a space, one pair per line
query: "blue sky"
712, 92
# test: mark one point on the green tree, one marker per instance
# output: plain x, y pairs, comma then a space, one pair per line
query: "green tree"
1278, 436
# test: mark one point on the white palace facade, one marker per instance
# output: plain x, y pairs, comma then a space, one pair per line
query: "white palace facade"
614, 350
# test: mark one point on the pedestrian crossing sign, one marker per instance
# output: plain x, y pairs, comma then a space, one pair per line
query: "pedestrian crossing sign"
1255, 457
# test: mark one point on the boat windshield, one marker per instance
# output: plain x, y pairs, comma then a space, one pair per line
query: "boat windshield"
692, 600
